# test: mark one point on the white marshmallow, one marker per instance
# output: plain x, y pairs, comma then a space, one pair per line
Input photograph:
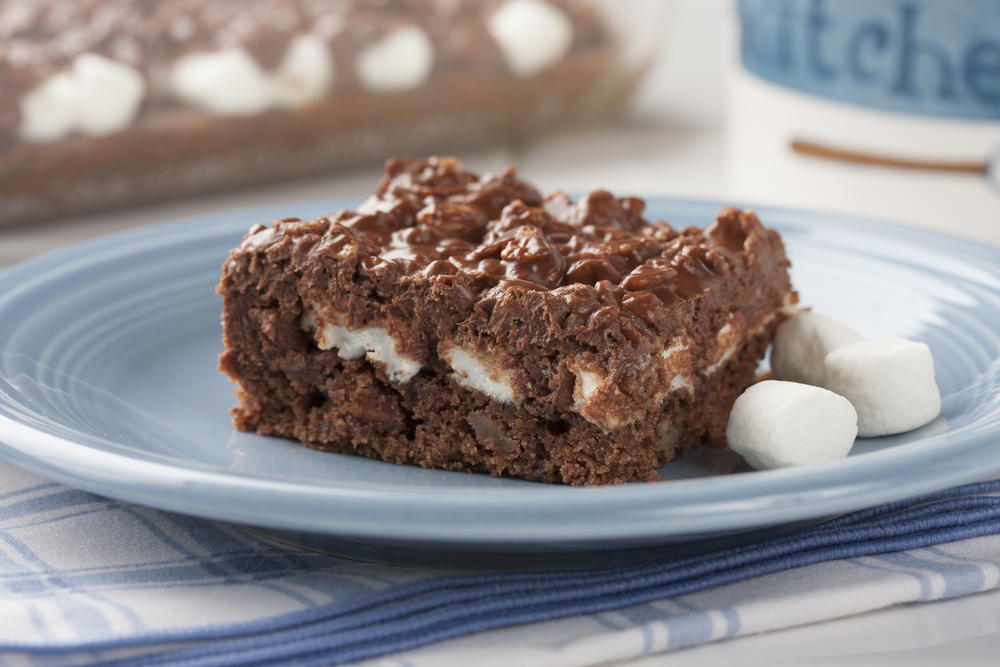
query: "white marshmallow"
890, 381
373, 343
801, 344
228, 82
96, 96
532, 35
585, 389
401, 60
109, 94
477, 371
681, 381
727, 342
48, 111
776, 424
305, 73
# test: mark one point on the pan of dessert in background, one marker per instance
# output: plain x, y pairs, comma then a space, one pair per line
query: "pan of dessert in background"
870, 106
111, 102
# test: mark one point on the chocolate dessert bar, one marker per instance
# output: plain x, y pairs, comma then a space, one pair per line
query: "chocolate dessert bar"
109, 102
466, 322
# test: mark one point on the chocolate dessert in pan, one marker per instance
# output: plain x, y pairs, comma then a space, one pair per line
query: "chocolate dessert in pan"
111, 102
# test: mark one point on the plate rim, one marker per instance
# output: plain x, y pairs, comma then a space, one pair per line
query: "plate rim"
867, 476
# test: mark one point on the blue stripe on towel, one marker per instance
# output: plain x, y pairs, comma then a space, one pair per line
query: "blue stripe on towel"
413, 614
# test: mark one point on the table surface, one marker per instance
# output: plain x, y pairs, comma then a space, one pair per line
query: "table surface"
636, 158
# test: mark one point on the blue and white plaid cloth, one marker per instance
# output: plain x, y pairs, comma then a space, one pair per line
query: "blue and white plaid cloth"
83, 579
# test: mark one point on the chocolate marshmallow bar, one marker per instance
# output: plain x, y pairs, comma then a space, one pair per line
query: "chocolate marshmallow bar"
109, 102
468, 323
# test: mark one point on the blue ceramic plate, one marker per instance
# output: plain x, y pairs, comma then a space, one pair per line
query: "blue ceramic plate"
108, 382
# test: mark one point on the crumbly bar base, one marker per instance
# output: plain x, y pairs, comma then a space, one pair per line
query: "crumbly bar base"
292, 389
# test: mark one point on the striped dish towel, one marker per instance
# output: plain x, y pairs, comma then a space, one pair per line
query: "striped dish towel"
84, 579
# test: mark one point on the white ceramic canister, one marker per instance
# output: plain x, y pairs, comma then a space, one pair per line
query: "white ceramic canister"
878, 107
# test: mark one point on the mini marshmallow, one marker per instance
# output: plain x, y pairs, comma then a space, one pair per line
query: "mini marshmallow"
96, 96
228, 82
305, 73
890, 382
532, 35
109, 94
776, 424
479, 372
48, 111
801, 344
400, 61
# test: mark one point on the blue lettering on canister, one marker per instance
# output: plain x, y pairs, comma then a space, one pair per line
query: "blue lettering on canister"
927, 57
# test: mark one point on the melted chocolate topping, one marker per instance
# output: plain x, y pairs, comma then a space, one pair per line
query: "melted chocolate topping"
433, 218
